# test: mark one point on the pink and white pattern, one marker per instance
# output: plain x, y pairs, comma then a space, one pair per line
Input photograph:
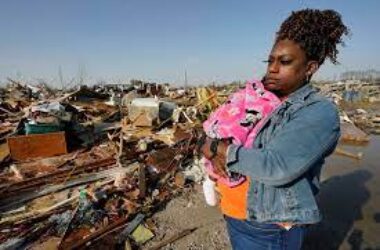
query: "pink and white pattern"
240, 119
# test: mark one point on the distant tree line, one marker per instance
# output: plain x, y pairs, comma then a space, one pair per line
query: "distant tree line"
364, 75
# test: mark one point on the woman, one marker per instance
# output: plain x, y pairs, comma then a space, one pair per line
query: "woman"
285, 162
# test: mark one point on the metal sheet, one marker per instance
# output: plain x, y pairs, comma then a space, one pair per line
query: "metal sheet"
24, 147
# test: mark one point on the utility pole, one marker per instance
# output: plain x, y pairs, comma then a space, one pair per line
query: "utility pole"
185, 79
60, 75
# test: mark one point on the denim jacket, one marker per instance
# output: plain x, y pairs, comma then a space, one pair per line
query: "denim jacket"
285, 162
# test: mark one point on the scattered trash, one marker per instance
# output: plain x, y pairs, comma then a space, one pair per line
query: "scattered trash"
141, 234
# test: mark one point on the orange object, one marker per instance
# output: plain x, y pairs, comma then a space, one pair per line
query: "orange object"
233, 201
23, 147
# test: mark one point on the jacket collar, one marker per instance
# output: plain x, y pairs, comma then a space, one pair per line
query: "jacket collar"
300, 94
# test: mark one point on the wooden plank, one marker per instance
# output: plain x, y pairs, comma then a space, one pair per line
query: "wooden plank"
175, 237
24, 147
349, 132
4, 151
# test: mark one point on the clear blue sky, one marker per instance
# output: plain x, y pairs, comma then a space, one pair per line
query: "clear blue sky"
157, 40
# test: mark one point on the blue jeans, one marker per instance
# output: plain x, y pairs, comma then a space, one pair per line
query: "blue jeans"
250, 235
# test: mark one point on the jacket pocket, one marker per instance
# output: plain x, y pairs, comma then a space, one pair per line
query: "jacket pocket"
305, 195
289, 198
263, 230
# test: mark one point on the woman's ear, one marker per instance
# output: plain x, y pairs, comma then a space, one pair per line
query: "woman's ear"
312, 67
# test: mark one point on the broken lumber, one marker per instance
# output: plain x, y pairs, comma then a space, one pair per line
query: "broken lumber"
173, 238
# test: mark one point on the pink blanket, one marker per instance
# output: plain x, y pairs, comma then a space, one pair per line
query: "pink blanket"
240, 118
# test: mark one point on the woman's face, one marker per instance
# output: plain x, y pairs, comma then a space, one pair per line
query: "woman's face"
288, 68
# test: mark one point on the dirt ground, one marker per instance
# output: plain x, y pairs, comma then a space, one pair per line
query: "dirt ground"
191, 211
349, 200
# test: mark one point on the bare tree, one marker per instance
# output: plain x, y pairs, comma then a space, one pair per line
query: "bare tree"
81, 74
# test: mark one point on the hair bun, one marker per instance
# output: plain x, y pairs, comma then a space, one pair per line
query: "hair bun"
318, 32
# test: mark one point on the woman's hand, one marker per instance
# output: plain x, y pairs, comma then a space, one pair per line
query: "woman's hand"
219, 159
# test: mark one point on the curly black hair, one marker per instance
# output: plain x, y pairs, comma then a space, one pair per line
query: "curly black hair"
318, 32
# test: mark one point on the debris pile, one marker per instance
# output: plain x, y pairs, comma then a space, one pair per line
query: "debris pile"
358, 102
87, 167
352, 90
